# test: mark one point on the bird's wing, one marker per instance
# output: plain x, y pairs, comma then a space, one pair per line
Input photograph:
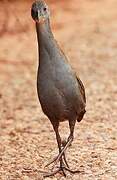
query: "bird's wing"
82, 89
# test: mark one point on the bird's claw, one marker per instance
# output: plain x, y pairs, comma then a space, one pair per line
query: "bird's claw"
61, 169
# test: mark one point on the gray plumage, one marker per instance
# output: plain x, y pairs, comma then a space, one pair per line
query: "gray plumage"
60, 91
58, 88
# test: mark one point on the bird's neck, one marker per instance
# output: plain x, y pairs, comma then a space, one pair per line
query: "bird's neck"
44, 36
43, 30
47, 45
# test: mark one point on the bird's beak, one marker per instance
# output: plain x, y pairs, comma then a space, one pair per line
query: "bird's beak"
40, 18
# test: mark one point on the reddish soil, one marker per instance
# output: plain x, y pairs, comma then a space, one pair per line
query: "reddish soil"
87, 31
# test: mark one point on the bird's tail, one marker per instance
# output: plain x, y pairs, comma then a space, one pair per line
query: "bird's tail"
80, 116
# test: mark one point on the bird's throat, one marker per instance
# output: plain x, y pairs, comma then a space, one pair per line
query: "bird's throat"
46, 42
43, 31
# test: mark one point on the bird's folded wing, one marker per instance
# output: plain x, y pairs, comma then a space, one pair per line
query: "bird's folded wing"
82, 89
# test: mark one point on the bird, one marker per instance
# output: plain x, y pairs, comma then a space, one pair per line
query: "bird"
60, 91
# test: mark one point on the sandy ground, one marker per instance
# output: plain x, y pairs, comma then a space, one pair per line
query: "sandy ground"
87, 31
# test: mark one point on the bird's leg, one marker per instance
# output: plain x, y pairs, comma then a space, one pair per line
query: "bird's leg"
61, 155
71, 126
70, 139
60, 146
60, 149
64, 158
61, 168
55, 159
65, 145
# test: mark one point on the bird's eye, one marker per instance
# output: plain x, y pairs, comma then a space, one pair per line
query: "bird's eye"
45, 9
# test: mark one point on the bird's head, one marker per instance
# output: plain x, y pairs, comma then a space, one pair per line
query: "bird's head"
40, 11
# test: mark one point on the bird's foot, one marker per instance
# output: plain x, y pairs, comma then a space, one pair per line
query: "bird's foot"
62, 170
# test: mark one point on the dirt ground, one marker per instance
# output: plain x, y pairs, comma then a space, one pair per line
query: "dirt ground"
87, 31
